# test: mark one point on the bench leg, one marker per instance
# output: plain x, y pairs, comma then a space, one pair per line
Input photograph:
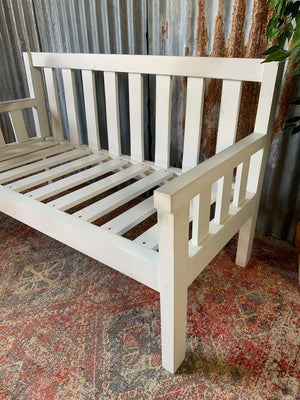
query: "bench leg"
245, 242
173, 254
173, 309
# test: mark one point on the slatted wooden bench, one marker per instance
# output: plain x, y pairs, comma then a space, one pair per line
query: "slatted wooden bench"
61, 187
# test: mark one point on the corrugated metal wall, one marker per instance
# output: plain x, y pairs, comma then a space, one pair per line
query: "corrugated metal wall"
226, 28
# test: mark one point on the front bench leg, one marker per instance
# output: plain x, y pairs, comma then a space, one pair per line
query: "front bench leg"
173, 253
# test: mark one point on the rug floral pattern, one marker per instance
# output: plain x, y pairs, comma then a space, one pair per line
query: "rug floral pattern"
72, 328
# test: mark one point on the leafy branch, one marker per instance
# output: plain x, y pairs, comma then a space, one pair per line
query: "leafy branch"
284, 29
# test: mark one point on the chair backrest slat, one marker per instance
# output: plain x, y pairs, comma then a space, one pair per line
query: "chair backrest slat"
136, 115
53, 102
91, 111
193, 122
163, 120
112, 112
229, 114
71, 105
18, 124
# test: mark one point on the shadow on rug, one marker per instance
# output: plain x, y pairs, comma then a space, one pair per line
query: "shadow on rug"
72, 328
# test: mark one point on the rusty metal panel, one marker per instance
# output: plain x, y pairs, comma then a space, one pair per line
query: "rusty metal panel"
226, 28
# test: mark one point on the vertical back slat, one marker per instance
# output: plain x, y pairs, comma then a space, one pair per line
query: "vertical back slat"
136, 114
55, 116
36, 90
201, 215
91, 111
2, 141
163, 120
229, 114
112, 112
223, 197
18, 124
71, 105
193, 123
241, 182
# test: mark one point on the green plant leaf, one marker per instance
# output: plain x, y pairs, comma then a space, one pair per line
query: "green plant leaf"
289, 127
289, 30
282, 39
295, 54
293, 119
273, 3
296, 130
296, 70
274, 34
271, 50
278, 55
295, 100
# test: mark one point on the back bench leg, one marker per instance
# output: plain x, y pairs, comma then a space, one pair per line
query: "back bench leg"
245, 242
173, 287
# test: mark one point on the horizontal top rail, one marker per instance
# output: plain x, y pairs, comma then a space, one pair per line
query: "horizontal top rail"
173, 194
13, 105
242, 69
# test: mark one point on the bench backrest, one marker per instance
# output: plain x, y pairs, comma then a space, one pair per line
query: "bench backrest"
233, 72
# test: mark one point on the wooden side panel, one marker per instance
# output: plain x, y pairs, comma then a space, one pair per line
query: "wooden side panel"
112, 112
53, 102
71, 105
229, 113
18, 124
36, 90
193, 123
136, 109
91, 111
241, 183
223, 197
201, 214
163, 121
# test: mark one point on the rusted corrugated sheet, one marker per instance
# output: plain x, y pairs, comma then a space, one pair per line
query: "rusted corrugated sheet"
226, 28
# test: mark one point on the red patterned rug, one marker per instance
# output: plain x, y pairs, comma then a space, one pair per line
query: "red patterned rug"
72, 328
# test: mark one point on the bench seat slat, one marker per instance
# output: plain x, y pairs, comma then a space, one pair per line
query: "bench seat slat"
111, 202
79, 196
149, 238
12, 150
38, 155
66, 168
74, 180
130, 218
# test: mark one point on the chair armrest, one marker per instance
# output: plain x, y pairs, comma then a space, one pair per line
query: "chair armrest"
172, 195
13, 105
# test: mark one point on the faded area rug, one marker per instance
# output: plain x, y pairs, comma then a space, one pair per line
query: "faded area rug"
72, 328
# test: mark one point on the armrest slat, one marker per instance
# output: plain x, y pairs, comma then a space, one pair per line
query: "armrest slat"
13, 105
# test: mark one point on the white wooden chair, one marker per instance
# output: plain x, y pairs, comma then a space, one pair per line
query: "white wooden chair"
163, 257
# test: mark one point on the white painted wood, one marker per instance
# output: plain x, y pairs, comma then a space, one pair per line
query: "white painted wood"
18, 124
74, 180
29, 158
36, 91
61, 170
255, 170
2, 141
53, 102
91, 111
173, 267
149, 238
37, 166
137, 262
136, 115
201, 215
81, 195
220, 68
111, 202
71, 105
193, 123
6, 106
241, 183
13, 150
229, 114
223, 197
112, 112
163, 121
219, 235
130, 218
188, 185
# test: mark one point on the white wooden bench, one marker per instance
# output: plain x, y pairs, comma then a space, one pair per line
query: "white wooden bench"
42, 177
